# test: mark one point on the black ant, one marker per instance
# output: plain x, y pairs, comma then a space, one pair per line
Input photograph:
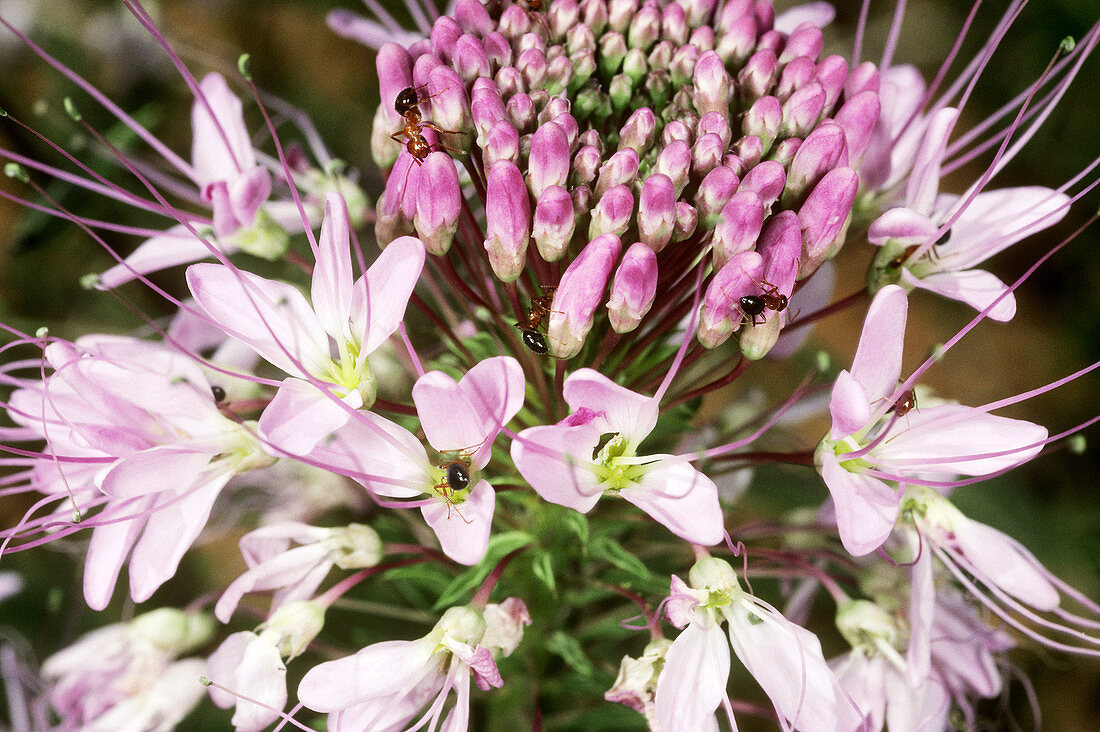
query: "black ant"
456, 476
218, 393
771, 298
540, 308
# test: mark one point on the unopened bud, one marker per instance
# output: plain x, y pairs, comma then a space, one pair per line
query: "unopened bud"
508, 220
633, 288
580, 292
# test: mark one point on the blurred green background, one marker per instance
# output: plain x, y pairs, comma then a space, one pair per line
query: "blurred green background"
1051, 505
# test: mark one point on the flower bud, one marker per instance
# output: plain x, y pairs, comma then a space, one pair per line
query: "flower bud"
521, 110
780, 245
675, 162
645, 27
765, 180
721, 313
471, 61
612, 213
486, 108
832, 72
864, 77
633, 288
568, 123
561, 15
713, 194
620, 90
509, 81
635, 65
682, 66
738, 227
706, 154
824, 149
498, 49
784, 152
585, 164
293, 626
612, 51
702, 38
394, 66
549, 160
472, 17
515, 22
444, 37
674, 25
619, 13
502, 143
555, 221
636, 684
438, 203
676, 130
794, 76
802, 111
639, 130
713, 123
579, 294
750, 150
620, 169
657, 211
712, 85
559, 74
504, 625
857, 117
687, 219
508, 220
824, 217
763, 120
660, 56
737, 42
806, 41
402, 183
533, 66
755, 79
731, 12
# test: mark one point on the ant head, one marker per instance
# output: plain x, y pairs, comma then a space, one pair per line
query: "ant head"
419, 148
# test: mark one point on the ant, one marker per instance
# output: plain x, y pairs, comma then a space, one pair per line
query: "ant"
910, 250
540, 308
407, 105
905, 404
456, 476
770, 298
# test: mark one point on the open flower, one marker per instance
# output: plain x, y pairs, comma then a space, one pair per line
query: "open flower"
275, 319
862, 457
595, 451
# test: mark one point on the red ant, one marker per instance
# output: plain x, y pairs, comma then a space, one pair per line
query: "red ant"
407, 105
912, 249
770, 298
540, 308
906, 403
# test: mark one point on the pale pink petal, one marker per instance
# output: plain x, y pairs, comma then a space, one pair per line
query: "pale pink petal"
222, 663
618, 409
382, 294
557, 462
220, 147
383, 456
924, 707
939, 440
922, 609
463, 529
332, 276
305, 567
468, 415
877, 363
902, 225
786, 660
863, 678
680, 498
271, 317
849, 407
175, 246
377, 671
146, 472
107, 551
924, 180
817, 13
256, 671
866, 508
977, 288
168, 534
693, 682
1000, 561
259, 545
997, 219
458, 719
300, 416
246, 193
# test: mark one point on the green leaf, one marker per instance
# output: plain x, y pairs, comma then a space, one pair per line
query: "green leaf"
543, 569
569, 649
499, 546
610, 550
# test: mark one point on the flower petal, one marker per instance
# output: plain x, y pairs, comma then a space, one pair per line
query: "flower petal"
924, 179
977, 288
300, 416
680, 498
463, 529
220, 148
997, 219
557, 461
618, 409
175, 246
999, 560
379, 670
332, 277
866, 508
693, 681
107, 550
383, 293
849, 407
877, 363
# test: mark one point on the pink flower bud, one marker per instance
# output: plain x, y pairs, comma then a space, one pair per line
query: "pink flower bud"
702, 38
864, 77
713, 194
832, 72
472, 17
549, 160
521, 110
620, 170
645, 27
784, 152
498, 49
858, 117
706, 154
562, 14
394, 75
502, 143
508, 220
795, 75
555, 220
579, 294
639, 130
766, 180
763, 120
721, 313
713, 123
533, 65
802, 111
712, 85
674, 26
731, 12
806, 41
676, 130
738, 227
698, 11
750, 150
568, 123
824, 217
509, 81
657, 211
438, 203
486, 108
515, 22
739, 40
402, 183
687, 220
612, 213
675, 162
471, 61
585, 164
779, 247
755, 79
633, 288
450, 107
444, 36
619, 14
824, 149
